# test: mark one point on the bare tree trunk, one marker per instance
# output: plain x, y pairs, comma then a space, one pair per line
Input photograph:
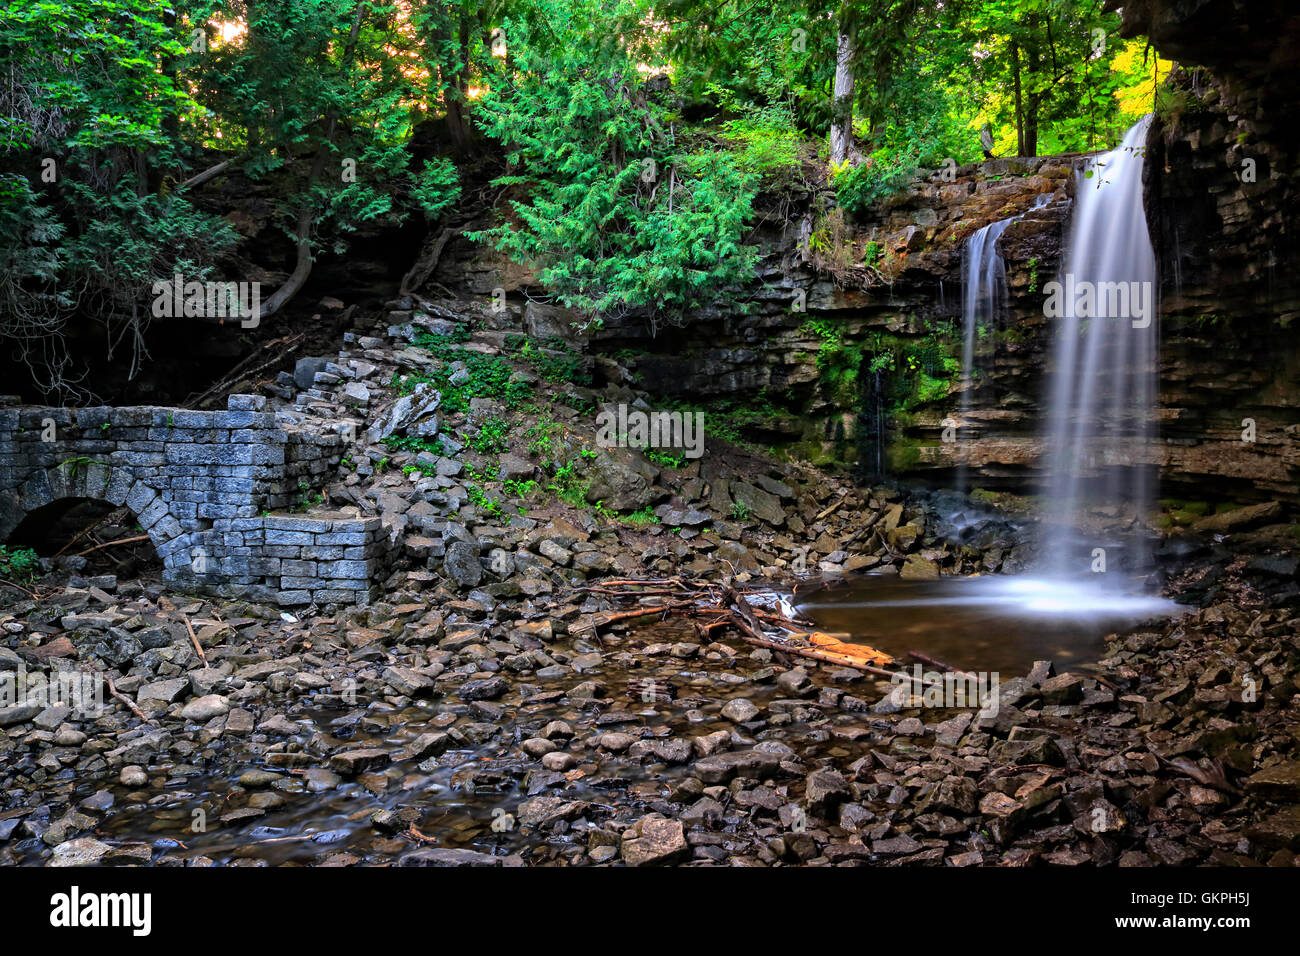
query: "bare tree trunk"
1020, 117
842, 97
301, 270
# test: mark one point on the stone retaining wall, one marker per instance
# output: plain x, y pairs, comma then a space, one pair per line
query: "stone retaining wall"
200, 483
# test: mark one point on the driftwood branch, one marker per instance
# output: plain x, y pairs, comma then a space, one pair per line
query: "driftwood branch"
113, 544
728, 607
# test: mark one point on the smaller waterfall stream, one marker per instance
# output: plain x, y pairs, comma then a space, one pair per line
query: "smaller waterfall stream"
984, 300
984, 294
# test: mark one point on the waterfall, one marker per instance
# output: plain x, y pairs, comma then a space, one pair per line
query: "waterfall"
984, 295
1102, 383
984, 298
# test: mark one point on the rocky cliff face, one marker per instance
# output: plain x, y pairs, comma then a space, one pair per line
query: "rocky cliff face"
817, 354
1222, 200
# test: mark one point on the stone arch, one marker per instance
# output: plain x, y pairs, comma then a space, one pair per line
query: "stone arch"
85, 478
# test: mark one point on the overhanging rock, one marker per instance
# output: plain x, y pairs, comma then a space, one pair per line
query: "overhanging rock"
201, 484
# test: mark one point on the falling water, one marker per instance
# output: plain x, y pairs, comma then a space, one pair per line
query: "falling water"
1102, 386
984, 294
984, 298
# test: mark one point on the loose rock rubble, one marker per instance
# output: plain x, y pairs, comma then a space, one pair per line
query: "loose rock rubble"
487, 712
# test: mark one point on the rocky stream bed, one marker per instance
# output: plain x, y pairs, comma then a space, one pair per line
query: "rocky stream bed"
487, 711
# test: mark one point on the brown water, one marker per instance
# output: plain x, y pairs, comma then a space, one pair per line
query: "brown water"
993, 623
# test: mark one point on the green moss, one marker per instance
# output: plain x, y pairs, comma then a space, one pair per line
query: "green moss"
902, 455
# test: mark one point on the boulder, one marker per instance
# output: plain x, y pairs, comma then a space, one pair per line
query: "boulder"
654, 840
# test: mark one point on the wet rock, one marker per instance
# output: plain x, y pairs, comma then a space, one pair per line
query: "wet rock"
652, 841
447, 856
83, 851
408, 681
133, 776
919, 568
489, 688
616, 742
259, 778
558, 761
545, 811
739, 711
319, 780
425, 745
205, 708
825, 789
352, 762
720, 768
795, 683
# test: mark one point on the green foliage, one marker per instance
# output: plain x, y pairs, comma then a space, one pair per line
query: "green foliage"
615, 208
307, 497
483, 501
663, 459
544, 441
555, 360
885, 173
768, 143
568, 485
488, 376
415, 443
89, 125
437, 187
491, 437
520, 488
642, 518
19, 565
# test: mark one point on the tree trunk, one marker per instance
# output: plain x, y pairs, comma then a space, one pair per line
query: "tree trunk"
1031, 127
457, 94
1020, 116
842, 97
